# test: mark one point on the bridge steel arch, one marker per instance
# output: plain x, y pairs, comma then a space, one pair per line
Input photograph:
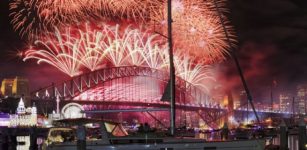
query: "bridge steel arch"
69, 89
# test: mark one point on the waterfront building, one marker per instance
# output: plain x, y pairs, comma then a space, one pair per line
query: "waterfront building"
24, 116
16, 87
6, 87
284, 102
20, 87
301, 99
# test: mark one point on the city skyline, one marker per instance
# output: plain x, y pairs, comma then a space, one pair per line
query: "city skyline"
263, 49
105, 73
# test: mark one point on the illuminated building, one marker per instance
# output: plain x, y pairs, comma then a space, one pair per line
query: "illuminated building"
6, 87
17, 87
21, 87
284, 102
236, 104
242, 99
301, 99
24, 116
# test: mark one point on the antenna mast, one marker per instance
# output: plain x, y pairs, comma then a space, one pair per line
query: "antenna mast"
249, 96
172, 69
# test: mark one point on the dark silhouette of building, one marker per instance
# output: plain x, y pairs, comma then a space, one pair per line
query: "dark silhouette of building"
9, 104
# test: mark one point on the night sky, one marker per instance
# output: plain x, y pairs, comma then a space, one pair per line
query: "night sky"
272, 45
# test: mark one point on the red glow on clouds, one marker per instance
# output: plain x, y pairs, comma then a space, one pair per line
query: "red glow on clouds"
254, 68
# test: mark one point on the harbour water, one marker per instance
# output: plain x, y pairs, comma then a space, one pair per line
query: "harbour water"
292, 142
24, 141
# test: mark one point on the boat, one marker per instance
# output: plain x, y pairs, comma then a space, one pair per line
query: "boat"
114, 137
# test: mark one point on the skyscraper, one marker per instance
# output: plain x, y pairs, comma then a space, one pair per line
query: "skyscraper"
284, 102
301, 98
21, 87
6, 87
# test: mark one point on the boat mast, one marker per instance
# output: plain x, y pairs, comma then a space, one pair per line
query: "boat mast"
171, 69
233, 55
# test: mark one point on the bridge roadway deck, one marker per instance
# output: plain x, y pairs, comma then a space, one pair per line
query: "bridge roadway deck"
152, 104
189, 107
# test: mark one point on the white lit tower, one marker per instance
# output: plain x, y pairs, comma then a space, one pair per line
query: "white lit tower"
33, 118
21, 107
58, 104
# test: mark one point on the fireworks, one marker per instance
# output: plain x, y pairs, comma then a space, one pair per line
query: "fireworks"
92, 48
65, 39
25, 18
196, 74
196, 29
71, 48
134, 47
132, 9
64, 7
59, 51
32, 17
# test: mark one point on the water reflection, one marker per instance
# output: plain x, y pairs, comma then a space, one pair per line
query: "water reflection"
292, 142
292, 139
24, 142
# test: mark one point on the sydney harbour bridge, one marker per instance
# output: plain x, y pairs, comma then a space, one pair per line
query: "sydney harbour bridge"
132, 87
184, 37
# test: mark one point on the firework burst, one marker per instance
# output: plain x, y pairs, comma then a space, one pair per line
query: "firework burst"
196, 74
58, 50
156, 54
25, 18
131, 47
129, 9
197, 29
63, 11
92, 47
31, 18
114, 44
